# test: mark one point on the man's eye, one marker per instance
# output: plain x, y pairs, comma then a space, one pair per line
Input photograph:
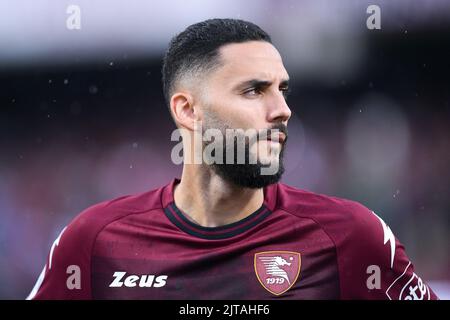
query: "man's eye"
252, 92
285, 92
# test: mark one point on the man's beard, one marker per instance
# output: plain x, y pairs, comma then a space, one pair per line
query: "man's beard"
249, 174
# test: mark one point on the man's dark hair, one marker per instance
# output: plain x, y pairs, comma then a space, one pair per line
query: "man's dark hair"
196, 49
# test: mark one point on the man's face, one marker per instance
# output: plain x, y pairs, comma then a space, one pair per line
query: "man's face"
248, 92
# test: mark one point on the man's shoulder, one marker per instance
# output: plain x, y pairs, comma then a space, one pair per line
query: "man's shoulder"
339, 217
303, 202
97, 216
71, 252
372, 263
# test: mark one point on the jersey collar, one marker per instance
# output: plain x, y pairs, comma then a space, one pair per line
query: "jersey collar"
179, 219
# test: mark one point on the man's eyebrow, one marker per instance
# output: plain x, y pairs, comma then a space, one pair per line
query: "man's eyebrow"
284, 83
256, 83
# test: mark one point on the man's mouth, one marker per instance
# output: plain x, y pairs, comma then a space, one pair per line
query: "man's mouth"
279, 137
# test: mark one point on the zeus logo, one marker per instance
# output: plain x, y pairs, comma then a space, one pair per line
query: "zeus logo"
388, 237
143, 281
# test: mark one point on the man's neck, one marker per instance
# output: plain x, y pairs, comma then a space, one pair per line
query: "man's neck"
210, 201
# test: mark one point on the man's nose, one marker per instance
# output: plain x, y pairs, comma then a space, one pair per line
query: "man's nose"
278, 111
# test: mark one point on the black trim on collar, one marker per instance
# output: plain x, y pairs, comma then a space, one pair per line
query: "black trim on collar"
215, 233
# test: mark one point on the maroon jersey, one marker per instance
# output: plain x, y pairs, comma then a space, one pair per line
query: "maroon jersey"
298, 245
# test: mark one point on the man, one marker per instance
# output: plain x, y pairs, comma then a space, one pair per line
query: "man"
228, 229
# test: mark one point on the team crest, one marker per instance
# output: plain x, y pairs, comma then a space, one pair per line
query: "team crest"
277, 271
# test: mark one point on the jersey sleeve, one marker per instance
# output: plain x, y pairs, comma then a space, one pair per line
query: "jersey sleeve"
373, 263
67, 272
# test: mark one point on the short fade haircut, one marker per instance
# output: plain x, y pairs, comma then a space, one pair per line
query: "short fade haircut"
195, 51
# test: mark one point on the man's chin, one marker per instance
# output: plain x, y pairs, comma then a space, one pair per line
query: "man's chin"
270, 161
248, 175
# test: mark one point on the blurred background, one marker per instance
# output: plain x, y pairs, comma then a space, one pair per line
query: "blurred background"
83, 120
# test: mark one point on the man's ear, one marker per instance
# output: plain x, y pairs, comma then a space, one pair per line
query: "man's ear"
183, 110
